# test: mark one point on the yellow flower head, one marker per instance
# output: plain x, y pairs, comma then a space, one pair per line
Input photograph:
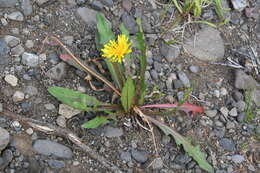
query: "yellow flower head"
116, 51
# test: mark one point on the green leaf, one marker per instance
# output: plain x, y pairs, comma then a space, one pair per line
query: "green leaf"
96, 122
75, 99
128, 93
143, 62
193, 151
124, 30
104, 30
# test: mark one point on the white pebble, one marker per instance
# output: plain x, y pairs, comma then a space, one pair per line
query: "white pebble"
11, 79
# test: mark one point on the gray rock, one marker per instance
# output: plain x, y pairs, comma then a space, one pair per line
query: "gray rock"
237, 158
184, 79
129, 23
170, 53
67, 111
16, 16
257, 130
31, 90
219, 132
244, 81
217, 93
17, 50
42, 2
224, 111
48, 148
211, 113
227, 144
157, 163
230, 125
4, 50
241, 117
11, 79
8, 3
18, 96
88, 16
61, 121
4, 139
56, 164
97, 5
182, 159
238, 96
194, 69
255, 96
58, 72
139, 156
1, 109
154, 74
49, 106
251, 167
208, 46
12, 41
233, 112
240, 105
6, 158
30, 59
177, 84
108, 3
223, 92
126, 156
29, 44
218, 123
26, 7
239, 5
112, 131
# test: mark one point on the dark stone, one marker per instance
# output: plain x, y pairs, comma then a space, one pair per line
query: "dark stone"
139, 156
227, 144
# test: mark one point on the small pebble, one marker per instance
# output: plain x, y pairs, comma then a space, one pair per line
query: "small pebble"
29, 131
211, 113
223, 92
11, 79
18, 96
233, 112
224, 111
194, 69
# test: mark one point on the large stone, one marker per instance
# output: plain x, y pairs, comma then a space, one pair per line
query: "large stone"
26, 6
16, 16
30, 59
4, 139
244, 81
207, 45
239, 5
169, 52
4, 50
129, 23
88, 16
8, 3
58, 71
50, 148
12, 41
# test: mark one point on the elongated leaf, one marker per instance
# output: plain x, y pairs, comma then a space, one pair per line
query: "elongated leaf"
143, 62
75, 99
193, 151
186, 107
104, 30
96, 122
128, 93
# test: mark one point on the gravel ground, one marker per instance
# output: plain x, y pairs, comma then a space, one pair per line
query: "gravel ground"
218, 64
